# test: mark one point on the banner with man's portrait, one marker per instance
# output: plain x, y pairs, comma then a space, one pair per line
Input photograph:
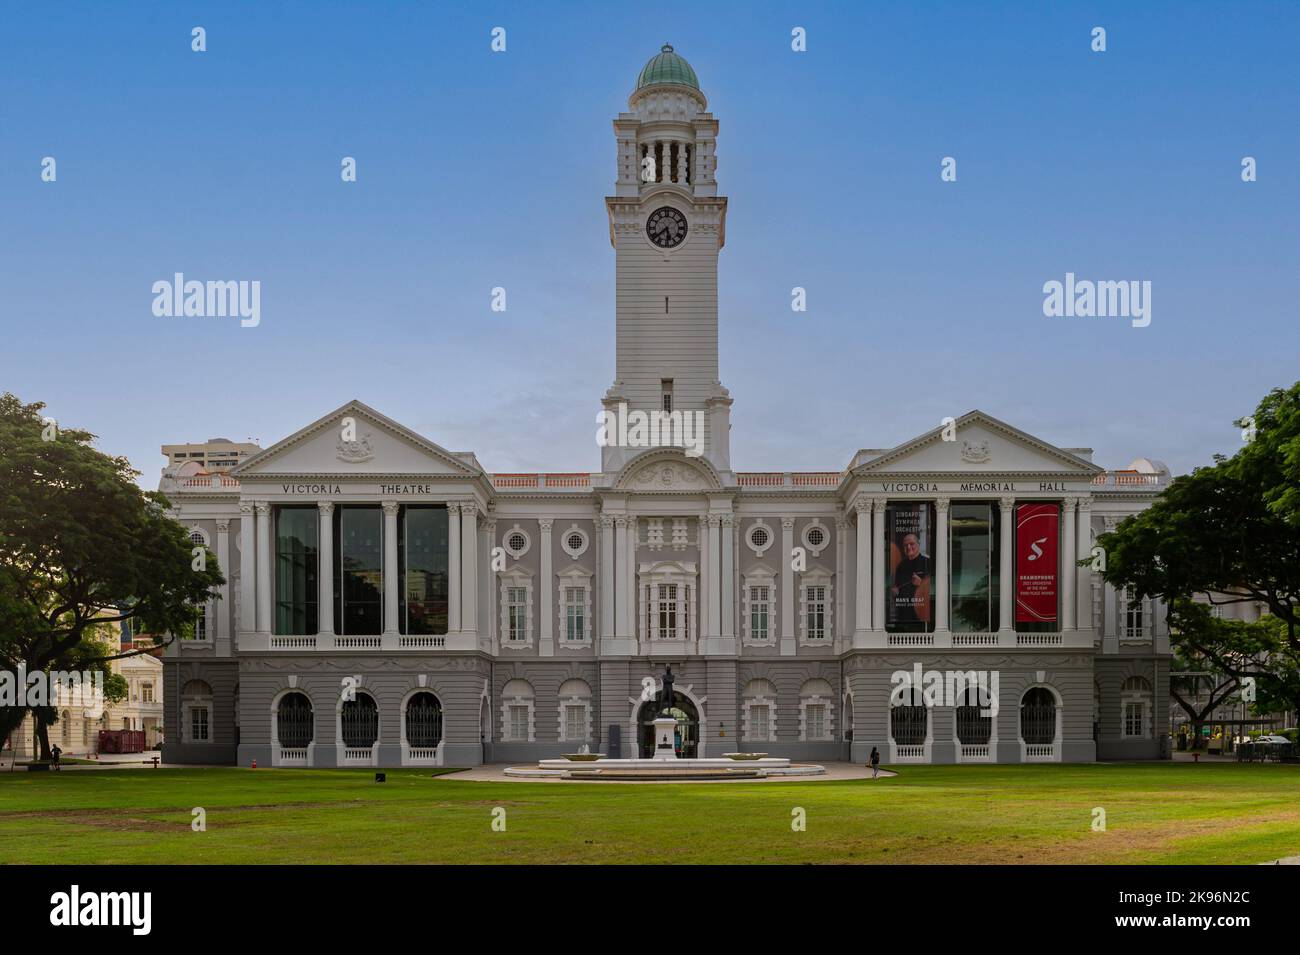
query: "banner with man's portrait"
910, 601
1038, 528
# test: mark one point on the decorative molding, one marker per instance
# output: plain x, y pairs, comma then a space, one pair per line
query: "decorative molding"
354, 452
976, 453
757, 548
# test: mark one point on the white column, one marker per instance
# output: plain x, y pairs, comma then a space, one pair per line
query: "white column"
715, 579
390, 566
843, 637
1083, 575
453, 567
489, 537
546, 632
247, 569
706, 579
862, 618
263, 567
624, 597
606, 579
728, 581
629, 578
787, 588
325, 571
1006, 585
469, 570
940, 576
223, 558
878, 616
1069, 575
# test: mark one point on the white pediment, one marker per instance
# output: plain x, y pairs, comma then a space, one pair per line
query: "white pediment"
355, 440
977, 444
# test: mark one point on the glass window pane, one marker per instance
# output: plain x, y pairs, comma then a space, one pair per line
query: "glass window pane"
422, 567
296, 587
359, 576
970, 530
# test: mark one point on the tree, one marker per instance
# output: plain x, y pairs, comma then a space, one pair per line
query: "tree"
82, 546
1227, 533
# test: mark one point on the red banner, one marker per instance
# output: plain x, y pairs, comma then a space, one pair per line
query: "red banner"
1038, 528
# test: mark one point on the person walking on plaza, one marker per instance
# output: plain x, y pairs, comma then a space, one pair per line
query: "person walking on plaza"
55, 753
875, 762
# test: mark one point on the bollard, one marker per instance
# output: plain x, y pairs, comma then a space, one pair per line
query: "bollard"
255, 764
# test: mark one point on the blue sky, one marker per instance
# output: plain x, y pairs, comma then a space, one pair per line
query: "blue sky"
478, 170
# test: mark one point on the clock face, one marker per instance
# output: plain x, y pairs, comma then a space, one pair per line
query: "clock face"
666, 227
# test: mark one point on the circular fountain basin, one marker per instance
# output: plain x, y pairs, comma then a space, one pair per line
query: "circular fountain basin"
631, 770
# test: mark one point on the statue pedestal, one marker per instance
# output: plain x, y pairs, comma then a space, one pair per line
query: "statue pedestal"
665, 726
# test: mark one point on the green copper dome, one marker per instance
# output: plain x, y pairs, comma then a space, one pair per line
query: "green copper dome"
667, 67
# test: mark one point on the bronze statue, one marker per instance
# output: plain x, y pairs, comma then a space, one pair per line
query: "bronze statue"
667, 697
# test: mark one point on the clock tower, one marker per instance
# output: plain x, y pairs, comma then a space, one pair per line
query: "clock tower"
667, 224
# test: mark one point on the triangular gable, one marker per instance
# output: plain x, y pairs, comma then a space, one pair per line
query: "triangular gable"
982, 444
381, 446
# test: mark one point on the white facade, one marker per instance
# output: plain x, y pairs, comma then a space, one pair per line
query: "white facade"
557, 599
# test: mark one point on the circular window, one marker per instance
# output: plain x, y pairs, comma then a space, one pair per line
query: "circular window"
759, 537
516, 541
816, 536
574, 541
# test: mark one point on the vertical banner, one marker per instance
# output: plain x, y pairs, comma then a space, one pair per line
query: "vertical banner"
1038, 528
910, 600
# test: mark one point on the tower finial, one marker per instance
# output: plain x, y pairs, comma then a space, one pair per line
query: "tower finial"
667, 48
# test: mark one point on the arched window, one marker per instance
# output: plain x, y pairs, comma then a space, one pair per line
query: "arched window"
974, 717
517, 721
359, 722
909, 719
423, 720
1038, 716
816, 710
759, 713
196, 712
65, 723
575, 711
1135, 707
294, 722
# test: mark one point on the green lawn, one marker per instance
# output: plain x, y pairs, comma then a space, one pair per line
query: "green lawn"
1161, 813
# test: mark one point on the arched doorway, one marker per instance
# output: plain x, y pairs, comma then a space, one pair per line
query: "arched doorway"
688, 727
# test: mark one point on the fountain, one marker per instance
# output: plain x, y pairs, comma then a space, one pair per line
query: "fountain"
664, 763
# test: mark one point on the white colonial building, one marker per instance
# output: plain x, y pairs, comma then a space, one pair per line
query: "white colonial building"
389, 602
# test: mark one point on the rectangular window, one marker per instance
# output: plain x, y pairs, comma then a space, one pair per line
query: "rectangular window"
422, 568
758, 721
201, 625
815, 604
973, 568
359, 570
519, 722
815, 720
517, 613
147, 693
667, 612
1134, 624
575, 623
1133, 722
199, 724
297, 590
759, 606
575, 722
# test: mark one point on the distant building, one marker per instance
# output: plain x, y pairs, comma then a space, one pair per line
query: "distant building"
215, 456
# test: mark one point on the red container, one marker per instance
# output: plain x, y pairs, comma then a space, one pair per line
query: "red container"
121, 741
